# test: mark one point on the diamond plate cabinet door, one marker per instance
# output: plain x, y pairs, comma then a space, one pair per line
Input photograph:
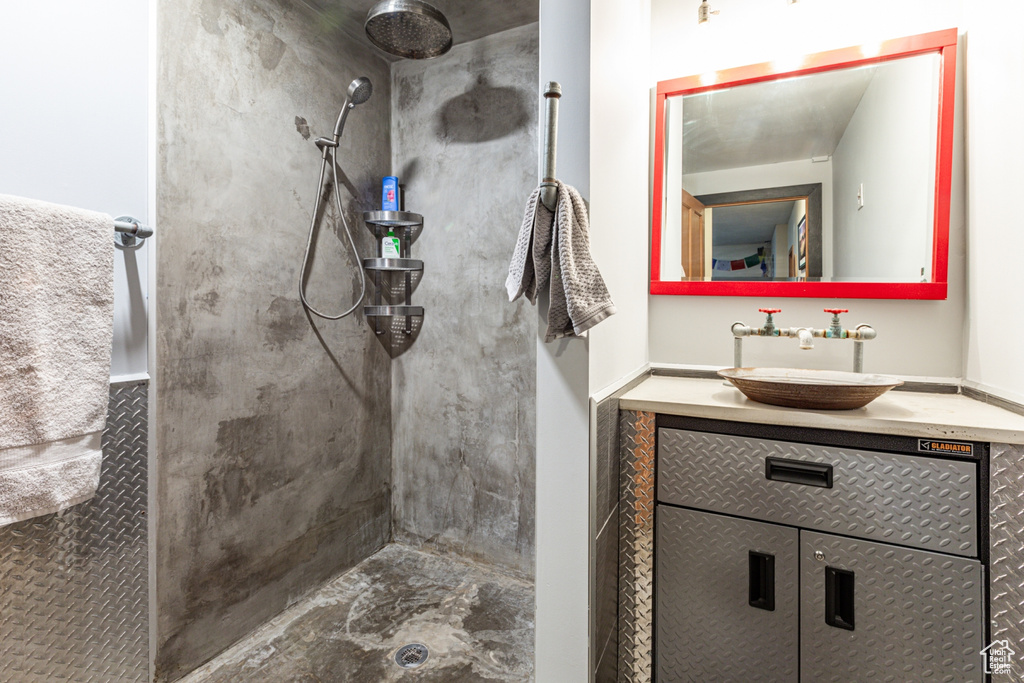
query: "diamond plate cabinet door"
726, 599
74, 585
1006, 522
907, 615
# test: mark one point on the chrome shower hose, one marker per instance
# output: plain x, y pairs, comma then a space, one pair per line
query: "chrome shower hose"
329, 152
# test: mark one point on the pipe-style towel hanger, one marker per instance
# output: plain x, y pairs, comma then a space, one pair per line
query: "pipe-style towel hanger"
129, 233
549, 188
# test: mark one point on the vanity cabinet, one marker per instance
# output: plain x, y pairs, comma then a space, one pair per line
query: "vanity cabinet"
777, 560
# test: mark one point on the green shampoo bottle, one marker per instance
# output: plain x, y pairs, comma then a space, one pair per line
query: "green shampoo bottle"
390, 247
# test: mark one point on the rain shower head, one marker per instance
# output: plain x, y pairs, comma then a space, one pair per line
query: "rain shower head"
408, 28
359, 91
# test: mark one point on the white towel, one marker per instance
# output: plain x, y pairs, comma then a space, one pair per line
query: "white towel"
56, 324
555, 248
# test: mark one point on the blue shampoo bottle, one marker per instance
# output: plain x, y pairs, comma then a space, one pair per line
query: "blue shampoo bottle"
389, 196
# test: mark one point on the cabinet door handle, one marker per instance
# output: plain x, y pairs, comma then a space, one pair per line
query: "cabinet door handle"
839, 598
798, 472
762, 581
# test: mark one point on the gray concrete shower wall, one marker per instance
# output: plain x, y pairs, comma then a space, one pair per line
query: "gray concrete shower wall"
272, 462
464, 135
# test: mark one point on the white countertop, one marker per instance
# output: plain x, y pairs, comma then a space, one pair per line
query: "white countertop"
901, 413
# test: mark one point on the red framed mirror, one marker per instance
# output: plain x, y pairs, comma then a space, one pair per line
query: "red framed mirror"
827, 176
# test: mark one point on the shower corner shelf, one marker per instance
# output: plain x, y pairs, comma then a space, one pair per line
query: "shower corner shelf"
406, 224
393, 218
392, 265
395, 321
392, 311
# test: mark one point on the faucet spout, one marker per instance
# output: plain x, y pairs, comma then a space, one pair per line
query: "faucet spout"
806, 338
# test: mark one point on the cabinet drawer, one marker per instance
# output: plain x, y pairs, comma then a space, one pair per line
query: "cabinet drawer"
910, 500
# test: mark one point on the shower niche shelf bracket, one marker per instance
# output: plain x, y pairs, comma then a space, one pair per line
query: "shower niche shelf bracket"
395, 320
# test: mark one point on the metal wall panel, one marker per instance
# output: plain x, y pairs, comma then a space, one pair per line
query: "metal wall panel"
636, 546
918, 614
706, 630
911, 500
605, 542
1007, 548
74, 585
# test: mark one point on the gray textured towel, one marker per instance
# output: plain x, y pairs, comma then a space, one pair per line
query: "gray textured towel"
56, 324
555, 248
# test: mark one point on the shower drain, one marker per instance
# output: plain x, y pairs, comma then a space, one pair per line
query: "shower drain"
411, 656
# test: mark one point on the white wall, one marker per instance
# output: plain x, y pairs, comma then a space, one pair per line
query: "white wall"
780, 250
619, 120
695, 330
74, 126
793, 234
995, 100
893, 131
602, 100
563, 430
672, 210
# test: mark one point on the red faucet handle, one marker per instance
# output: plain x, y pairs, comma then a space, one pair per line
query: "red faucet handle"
837, 311
769, 311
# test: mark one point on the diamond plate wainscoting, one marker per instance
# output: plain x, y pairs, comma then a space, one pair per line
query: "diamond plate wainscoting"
604, 526
605, 543
636, 546
1006, 522
74, 585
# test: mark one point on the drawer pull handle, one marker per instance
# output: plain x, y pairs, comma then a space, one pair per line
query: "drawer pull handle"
762, 581
839, 598
798, 472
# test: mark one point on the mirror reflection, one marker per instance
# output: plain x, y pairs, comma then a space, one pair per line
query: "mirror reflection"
823, 177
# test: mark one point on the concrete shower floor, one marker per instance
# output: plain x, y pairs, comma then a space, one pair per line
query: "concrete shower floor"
477, 623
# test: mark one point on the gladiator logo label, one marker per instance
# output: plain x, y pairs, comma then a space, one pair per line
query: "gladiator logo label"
954, 447
998, 657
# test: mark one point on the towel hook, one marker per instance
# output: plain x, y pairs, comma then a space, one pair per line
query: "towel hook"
549, 188
129, 233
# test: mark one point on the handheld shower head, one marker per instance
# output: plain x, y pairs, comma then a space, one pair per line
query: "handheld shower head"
359, 91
